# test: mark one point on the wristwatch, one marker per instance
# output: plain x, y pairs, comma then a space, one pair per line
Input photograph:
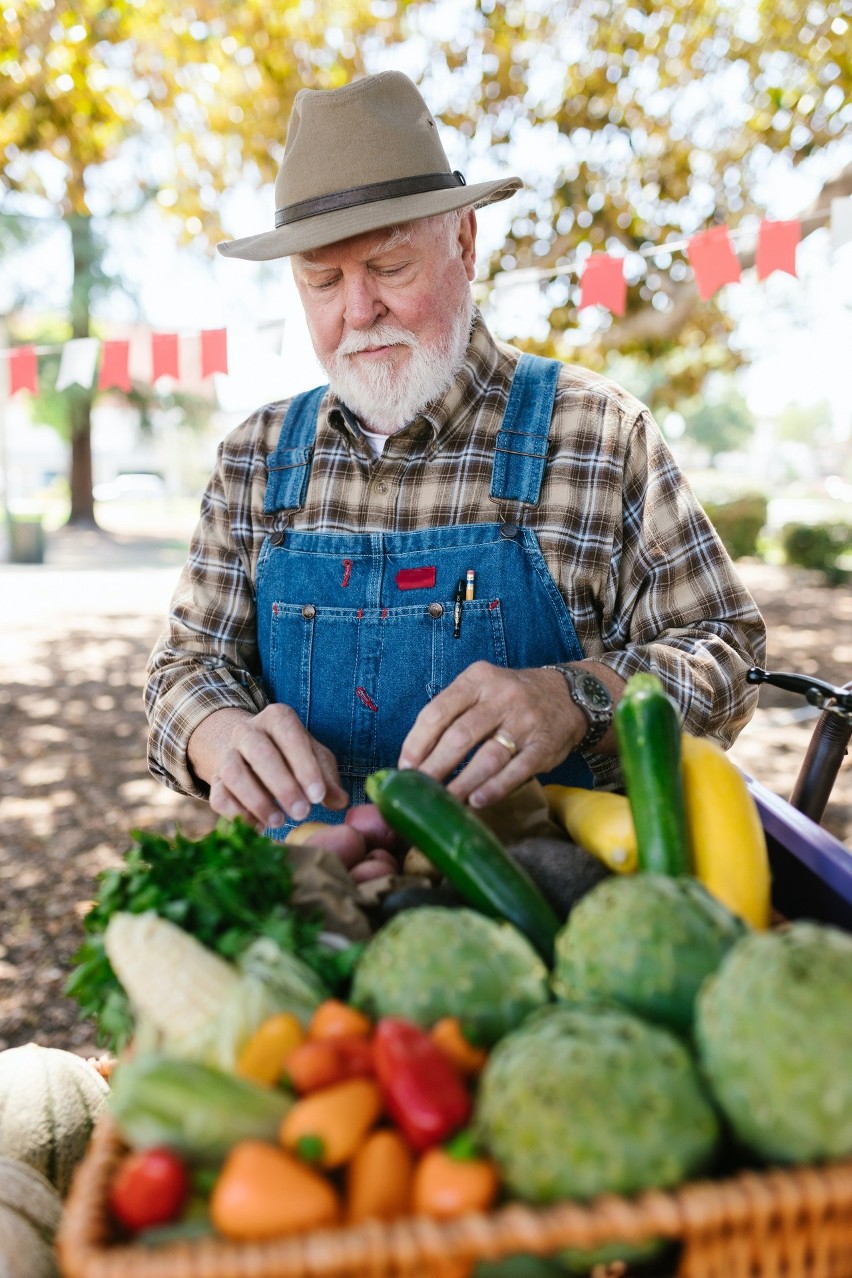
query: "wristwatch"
592, 697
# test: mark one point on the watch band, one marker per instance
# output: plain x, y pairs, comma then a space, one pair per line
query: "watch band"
599, 717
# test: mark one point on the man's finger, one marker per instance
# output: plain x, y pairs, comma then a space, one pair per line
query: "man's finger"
489, 761
441, 714
259, 810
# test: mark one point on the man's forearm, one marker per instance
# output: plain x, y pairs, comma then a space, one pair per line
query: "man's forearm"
211, 739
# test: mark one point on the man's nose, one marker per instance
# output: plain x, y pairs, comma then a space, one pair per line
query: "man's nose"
362, 303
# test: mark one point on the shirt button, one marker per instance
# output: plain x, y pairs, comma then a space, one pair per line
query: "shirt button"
435, 610
381, 486
309, 612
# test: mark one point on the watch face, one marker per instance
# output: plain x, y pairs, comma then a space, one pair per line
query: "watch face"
595, 693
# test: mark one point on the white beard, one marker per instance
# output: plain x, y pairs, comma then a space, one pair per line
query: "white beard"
386, 398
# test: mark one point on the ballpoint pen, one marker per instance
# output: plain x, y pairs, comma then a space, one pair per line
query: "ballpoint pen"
457, 609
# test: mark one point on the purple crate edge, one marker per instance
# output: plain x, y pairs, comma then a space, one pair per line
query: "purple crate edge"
828, 858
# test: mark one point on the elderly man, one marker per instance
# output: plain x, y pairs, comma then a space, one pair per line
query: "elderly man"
451, 557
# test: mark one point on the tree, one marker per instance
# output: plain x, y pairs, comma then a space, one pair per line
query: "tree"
720, 422
640, 123
104, 106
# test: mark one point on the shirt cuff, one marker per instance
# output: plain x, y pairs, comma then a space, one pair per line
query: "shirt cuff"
188, 707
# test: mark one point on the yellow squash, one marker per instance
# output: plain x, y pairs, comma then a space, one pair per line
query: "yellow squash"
599, 821
727, 841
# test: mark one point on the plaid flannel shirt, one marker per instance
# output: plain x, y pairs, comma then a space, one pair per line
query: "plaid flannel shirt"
646, 579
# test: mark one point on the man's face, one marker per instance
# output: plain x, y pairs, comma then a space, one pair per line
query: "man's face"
389, 315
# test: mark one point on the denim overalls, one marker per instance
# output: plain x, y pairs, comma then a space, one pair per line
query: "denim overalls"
356, 631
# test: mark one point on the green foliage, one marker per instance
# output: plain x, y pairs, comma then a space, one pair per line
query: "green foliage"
827, 548
739, 522
226, 889
719, 423
653, 122
805, 423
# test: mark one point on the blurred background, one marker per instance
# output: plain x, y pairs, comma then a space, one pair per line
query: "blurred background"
134, 137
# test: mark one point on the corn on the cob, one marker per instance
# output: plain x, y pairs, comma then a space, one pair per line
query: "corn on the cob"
172, 980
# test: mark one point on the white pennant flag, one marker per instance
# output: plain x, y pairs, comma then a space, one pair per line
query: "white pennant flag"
841, 221
77, 365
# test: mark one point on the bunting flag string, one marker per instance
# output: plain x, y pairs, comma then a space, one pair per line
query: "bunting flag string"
710, 253
78, 362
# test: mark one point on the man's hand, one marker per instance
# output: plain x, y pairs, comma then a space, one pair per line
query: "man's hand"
531, 709
264, 767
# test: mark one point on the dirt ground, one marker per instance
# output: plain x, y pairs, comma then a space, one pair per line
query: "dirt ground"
75, 634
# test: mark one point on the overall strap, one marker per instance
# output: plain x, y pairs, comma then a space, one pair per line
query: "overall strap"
289, 466
521, 449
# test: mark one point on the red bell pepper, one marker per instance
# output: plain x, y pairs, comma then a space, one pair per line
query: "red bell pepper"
422, 1091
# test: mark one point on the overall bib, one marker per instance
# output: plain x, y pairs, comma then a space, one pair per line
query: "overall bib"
356, 631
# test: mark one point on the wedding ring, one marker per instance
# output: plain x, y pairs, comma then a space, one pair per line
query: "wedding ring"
505, 740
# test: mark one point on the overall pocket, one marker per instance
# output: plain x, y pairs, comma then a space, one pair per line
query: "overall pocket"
357, 678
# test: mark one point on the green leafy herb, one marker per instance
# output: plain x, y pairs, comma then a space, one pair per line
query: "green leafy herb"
227, 889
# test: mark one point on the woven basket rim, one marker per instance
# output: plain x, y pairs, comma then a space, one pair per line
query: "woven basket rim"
771, 1219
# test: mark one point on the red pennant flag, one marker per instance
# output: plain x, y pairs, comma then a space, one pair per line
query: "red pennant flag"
164, 355
23, 370
712, 258
603, 283
115, 358
776, 247
214, 351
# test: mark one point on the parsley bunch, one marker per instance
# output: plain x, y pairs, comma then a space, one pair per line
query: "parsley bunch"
226, 889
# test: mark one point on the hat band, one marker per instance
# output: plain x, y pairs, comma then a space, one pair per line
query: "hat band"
354, 195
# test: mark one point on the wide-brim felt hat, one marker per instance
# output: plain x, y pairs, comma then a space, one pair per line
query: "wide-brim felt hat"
358, 159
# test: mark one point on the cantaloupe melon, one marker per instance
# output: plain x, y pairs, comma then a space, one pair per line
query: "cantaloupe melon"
49, 1101
30, 1210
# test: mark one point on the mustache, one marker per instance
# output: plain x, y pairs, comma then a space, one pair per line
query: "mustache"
378, 335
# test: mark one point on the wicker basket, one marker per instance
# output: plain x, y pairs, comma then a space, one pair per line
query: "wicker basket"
795, 1223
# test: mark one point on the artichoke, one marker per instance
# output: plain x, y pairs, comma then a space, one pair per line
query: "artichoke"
774, 1035
645, 943
581, 1101
435, 961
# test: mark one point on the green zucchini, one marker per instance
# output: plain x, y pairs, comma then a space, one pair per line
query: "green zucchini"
648, 733
465, 850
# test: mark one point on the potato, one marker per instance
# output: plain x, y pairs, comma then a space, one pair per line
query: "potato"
348, 843
368, 820
377, 865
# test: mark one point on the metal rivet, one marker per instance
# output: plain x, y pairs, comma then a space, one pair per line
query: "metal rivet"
277, 539
309, 612
509, 530
435, 610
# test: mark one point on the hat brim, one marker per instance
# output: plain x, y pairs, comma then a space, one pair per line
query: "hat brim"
329, 228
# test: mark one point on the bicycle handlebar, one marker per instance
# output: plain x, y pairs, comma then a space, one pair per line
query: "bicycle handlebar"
815, 691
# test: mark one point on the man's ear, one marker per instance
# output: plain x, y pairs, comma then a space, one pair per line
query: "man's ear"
467, 242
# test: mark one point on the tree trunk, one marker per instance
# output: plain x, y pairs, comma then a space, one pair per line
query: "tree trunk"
85, 254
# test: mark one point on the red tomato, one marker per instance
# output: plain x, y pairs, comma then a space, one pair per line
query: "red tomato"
149, 1188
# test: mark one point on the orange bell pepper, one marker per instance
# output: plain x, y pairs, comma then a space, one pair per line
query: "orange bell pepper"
446, 1186
320, 1062
335, 1019
264, 1192
328, 1126
449, 1035
378, 1179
